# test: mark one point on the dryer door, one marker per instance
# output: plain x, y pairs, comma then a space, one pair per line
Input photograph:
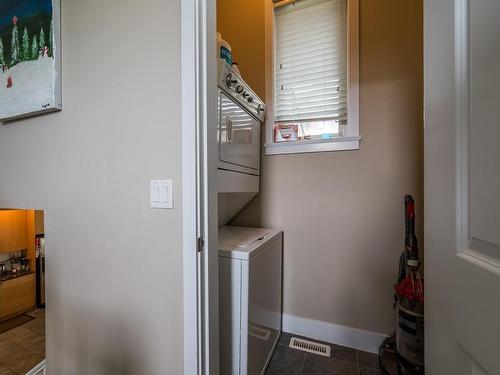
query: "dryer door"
239, 138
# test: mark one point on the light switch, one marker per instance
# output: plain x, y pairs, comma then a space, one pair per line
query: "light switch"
161, 194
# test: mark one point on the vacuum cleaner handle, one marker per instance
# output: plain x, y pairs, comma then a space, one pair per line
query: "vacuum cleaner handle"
411, 242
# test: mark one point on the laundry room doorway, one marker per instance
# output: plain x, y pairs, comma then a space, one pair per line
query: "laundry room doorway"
22, 291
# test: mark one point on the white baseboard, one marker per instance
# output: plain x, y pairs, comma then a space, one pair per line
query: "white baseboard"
333, 333
39, 369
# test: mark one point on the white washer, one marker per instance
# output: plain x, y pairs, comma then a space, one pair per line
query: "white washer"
250, 307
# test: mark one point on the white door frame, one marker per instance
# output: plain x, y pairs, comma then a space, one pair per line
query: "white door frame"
199, 155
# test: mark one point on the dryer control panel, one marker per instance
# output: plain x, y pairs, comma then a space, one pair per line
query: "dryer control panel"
233, 85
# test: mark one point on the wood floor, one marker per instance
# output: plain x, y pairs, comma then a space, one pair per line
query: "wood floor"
343, 361
23, 347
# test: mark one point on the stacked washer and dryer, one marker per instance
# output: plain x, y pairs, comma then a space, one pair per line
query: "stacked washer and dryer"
250, 259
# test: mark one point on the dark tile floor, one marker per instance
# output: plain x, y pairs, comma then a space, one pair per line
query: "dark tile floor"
343, 361
23, 347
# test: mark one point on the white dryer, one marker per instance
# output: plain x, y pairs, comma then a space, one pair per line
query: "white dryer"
240, 116
240, 113
250, 307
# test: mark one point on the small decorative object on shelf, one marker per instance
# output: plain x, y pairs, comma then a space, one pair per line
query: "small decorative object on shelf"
30, 77
286, 132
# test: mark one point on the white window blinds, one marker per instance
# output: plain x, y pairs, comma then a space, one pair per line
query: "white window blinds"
311, 61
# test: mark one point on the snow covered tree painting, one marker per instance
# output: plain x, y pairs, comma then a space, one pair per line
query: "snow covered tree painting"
30, 81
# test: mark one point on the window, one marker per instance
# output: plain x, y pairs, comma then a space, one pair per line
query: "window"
315, 94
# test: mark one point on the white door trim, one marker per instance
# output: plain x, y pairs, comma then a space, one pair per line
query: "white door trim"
40, 369
190, 216
462, 108
465, 242
199, 153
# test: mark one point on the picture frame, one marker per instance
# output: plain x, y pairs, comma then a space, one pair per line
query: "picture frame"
30, 58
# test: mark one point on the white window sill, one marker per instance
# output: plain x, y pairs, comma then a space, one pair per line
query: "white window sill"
317, 145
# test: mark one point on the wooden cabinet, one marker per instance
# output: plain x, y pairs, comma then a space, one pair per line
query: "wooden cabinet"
39, 222
17, 296
13, 227
17, 232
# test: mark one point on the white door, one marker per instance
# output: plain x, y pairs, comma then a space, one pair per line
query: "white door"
462, 186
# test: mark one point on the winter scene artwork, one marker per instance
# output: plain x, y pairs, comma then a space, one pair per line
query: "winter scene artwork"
29, 58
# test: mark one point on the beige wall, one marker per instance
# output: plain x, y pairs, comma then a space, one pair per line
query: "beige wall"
342, 212
241, 23
114, 265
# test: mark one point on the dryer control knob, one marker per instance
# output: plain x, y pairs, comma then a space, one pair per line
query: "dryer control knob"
239, 89
230, 81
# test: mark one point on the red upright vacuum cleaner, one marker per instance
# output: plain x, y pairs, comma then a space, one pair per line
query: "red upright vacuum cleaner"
408, 342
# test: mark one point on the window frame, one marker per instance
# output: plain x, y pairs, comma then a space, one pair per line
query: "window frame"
351, 139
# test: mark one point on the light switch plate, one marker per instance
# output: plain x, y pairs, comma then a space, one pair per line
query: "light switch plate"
161, 195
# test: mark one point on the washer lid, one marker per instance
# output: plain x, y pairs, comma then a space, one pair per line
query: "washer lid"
245, 243
238, 237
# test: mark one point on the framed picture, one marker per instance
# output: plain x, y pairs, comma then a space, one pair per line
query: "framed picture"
30, 58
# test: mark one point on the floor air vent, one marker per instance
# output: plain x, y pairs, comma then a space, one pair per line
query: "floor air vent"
310, 347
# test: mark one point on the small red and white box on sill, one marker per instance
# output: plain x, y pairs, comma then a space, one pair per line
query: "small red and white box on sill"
286, 132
